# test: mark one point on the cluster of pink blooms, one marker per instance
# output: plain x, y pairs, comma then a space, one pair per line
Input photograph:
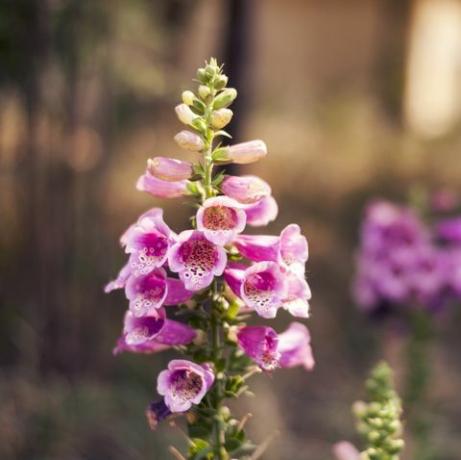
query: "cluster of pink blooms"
403, 260
166, 270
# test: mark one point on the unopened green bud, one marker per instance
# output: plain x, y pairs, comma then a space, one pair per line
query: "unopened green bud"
220, 118
221, 82
204, 91
188, 97
202, 76
225, 98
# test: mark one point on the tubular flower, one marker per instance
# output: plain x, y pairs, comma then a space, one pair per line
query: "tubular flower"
169, 169
245, 189
260, 343
161, 188
295, 348
262, 212
120, 281
196, 260
297, 296
148, 334
244, 153
185, 114
184, 383
148, 242
289, 249
263, 288
221, 219
189, 141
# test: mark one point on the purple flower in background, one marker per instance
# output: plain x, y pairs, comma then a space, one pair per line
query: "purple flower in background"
344, 450
449, 230
161, 188
196, 259
148, 242
260, 344
156, 412
221, 219
294, 346
148, 334
245, 189
184, 383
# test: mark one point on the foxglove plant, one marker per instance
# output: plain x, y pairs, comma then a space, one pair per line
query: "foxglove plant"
378, 421
194, 291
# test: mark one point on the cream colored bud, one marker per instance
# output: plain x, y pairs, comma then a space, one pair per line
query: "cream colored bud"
220, 118
225, 98
188, 97
247, 152
204, 91
185, 114
189, 141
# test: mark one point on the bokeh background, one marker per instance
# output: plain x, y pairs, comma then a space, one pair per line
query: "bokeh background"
354, 99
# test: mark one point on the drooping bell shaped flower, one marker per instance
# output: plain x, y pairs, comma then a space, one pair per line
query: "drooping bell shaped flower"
245, 189
261, 286
184, 383
244, 153
221, 219
262, 212
148, 334
295, 348
169, 169
298, 294
344, 450
189, 141
260, 344
148, 242
196, 260
161, 188
289, 249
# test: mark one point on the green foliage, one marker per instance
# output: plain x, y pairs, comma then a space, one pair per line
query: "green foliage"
379, 420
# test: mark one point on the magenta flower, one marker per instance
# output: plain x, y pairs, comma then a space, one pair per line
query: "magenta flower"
245, 189
184, 383
169, 169
161, 188
262, 212
260, 344
289, 249
148, 334
196, 260
449, 230
221, 219
120, 281
148, 242
295, 348
262, 287
297, 296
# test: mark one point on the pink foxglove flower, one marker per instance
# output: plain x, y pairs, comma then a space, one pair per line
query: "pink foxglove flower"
189, 141
289, 249
196, 260
161, 188
260, 343
152, 333
184, 383
148, 242
294, 346
245, 189
344, 450
243, 153
221, 219
120, 281
169, 169
262, 212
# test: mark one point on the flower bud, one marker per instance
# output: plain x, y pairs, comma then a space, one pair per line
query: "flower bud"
225, 98
189, 141
204, 91
188, 97
220, 118
169, 169
185, 114
246, 152
245, 189
221, 81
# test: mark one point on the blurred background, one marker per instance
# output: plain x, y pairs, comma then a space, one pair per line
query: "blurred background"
354, 99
